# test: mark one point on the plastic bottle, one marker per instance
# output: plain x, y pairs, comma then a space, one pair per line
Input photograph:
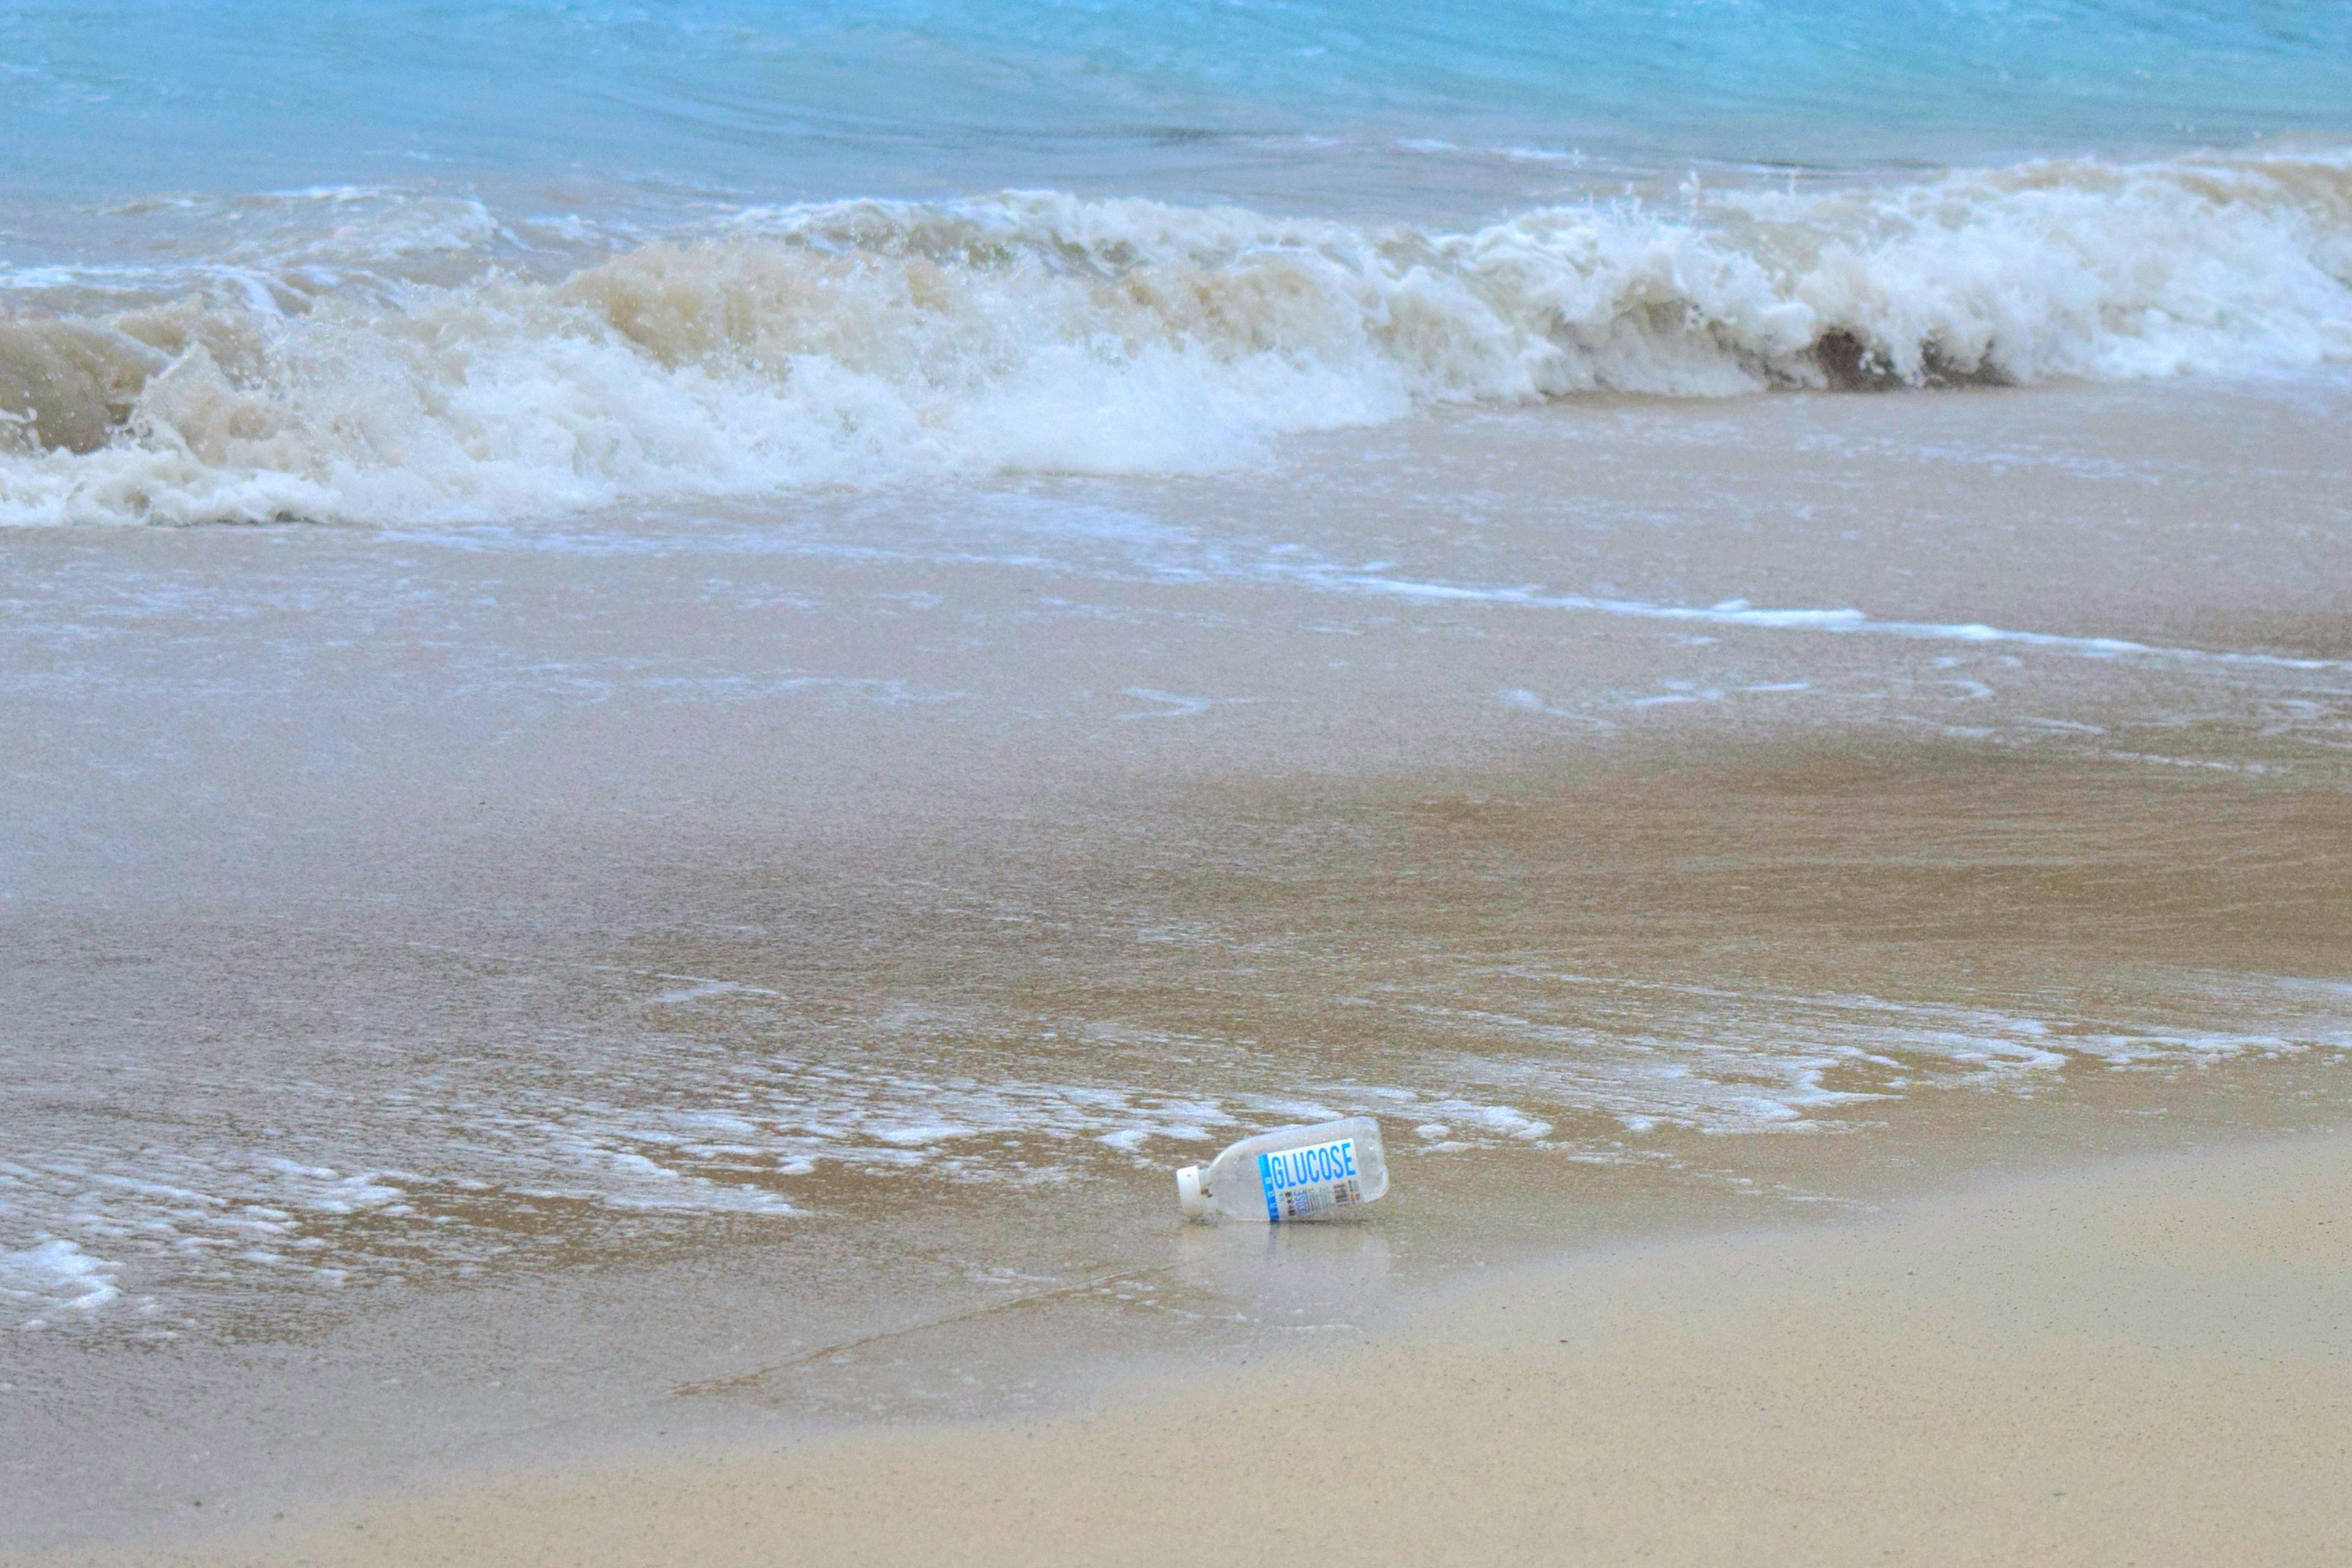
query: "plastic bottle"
1292, 1172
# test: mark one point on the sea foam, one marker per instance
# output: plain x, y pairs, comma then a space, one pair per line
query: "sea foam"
348, 377
55, 1274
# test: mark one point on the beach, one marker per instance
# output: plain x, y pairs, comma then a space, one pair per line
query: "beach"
733, 993
2143, 1364
685, 692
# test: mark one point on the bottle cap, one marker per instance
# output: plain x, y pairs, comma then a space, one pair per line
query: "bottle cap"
1189, 1196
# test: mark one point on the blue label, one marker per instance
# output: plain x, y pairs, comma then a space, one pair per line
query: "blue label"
1300, 1182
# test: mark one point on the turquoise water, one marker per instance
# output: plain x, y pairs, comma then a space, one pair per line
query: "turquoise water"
828, 99
411, 262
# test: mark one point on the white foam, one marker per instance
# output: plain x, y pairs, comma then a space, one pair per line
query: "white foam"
55, 1275
1556, 1064
1739, 613
865, 342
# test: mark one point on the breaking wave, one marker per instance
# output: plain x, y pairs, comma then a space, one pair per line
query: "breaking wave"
434, 378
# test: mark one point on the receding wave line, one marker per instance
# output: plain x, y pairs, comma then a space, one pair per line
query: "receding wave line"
1739, 613
400, 372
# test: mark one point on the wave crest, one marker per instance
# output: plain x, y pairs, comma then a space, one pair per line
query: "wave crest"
865, 341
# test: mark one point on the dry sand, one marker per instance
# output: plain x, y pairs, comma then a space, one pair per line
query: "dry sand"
2146, 1364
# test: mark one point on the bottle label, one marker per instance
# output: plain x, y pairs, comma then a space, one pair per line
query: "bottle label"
1301, 1182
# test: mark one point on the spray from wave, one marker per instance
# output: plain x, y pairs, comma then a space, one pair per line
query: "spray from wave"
868, 341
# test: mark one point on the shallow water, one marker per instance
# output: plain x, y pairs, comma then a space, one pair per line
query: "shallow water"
1621, 787
763, 722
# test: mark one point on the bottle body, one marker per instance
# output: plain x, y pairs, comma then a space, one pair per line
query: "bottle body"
1291, 1173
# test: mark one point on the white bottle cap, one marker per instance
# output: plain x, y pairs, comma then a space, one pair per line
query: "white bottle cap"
1189, 1196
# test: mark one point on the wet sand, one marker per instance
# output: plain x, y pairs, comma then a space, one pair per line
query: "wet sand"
504, 999
2147, 1363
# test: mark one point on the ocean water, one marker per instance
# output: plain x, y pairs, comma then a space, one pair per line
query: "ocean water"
409, 903
627, 628
427, 264
815, 101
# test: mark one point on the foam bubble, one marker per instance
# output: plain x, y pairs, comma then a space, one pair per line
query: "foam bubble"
1739, 613
56, 1275
865, 342
1557, 1065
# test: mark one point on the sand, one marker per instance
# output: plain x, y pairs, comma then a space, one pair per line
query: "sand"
2142, 1364
510, 1002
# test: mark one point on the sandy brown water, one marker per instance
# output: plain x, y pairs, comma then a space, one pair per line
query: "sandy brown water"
504, 993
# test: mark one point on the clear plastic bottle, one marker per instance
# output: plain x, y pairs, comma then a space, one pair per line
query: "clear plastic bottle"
1292, 1172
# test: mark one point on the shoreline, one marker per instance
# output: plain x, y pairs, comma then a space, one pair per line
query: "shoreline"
2142, 1362
686, 698
480, 986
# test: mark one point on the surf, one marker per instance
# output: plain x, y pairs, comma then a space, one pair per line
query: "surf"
870, 341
